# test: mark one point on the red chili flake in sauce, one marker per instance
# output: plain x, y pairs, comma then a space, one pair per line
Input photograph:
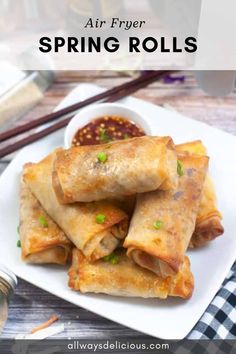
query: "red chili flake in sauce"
106, 129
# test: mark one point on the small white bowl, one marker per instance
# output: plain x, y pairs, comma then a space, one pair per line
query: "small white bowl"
94, 111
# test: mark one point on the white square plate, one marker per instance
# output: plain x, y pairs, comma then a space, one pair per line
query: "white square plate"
167, 319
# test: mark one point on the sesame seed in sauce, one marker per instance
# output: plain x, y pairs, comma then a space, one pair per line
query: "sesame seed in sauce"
105, 129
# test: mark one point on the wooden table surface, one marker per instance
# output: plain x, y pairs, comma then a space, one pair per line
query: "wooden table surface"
31, 306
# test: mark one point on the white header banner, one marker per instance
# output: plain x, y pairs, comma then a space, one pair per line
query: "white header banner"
118, 35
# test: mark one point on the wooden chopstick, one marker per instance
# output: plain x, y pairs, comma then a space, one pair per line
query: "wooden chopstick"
124, 90
73, 108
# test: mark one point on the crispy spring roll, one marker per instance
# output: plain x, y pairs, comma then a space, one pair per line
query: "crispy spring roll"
127, 279
120, 168
126, 203
94, 228
163, 221
208, 224
42, 241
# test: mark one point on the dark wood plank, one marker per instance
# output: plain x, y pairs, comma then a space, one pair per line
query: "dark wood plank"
31, 306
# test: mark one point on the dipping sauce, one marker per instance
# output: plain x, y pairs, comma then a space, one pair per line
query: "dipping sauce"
106, 129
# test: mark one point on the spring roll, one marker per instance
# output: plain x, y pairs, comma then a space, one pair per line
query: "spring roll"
94, 228
163, 221
120, 168
126, 203
42, 241
208, 224
126, 278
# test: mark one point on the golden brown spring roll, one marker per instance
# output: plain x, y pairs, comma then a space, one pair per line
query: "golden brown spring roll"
126, 203
127, 279
163, 221
120, 168
208, 224
42, 241
94, 228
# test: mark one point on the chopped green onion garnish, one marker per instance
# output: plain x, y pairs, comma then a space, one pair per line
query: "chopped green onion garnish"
158, 224
18, 243
43, 222
18, 229
180, 168
102, 157
100, 218
112, 258
104, 137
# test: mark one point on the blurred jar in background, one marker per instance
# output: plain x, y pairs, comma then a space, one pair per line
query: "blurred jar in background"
8, 283
8, 17
31, 14
41, 14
